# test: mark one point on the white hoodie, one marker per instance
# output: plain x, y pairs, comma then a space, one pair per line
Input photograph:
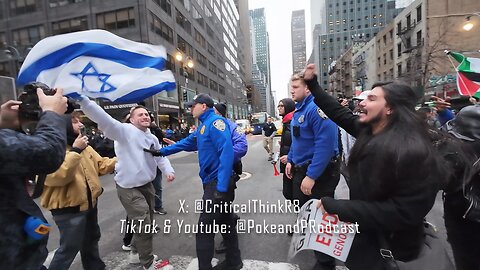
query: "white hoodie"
134, 167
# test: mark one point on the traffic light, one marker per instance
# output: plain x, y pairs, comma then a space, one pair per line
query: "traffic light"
184, 95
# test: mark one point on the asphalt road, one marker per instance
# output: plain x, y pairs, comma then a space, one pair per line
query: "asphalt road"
178, 244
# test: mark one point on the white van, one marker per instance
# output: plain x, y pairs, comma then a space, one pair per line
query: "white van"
244, 124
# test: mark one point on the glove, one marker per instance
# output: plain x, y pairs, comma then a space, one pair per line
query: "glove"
220, 197
154, 152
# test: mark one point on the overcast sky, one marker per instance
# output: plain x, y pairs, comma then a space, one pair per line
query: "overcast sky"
279, 16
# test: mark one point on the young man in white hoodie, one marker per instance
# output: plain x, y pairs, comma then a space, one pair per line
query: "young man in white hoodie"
134, 172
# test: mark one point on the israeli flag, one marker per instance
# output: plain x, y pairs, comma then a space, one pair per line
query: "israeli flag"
98, 64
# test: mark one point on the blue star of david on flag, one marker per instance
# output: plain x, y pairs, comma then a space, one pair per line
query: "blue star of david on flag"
93, 81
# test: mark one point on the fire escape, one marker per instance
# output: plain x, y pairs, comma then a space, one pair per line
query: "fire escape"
413, 69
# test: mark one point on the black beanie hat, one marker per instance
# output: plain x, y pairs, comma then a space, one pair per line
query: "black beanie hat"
221, 108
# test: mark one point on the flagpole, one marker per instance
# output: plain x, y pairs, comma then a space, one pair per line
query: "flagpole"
458, 76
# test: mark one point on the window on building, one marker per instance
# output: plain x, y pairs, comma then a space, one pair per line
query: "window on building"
202, 79
419, 13
184, 46
210, 32
19, 7
384, 40
408, 42
399, 49
170, 64
61, 3
419, 38
3, 38
399, 27
71, 25
407, 68
379, 61
117, 19
165, 5
368, 36
221, 89
391, 54
409, 20
384, 58
28, 36
200, 39
201, 59
212, 67
183, 22
211, 50
161, 28
213, 85
399, 70
391, 35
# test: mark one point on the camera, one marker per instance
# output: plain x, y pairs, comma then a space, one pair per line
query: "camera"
30, 110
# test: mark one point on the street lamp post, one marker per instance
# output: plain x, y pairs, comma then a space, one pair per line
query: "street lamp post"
186, 63
468, 23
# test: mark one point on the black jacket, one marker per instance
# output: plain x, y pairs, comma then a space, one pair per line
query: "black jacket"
20, 156
269, 129
396, 213
285, 142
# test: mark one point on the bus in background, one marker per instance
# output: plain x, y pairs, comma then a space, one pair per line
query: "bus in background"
258, 121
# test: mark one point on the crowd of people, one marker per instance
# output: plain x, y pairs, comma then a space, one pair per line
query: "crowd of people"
394, 158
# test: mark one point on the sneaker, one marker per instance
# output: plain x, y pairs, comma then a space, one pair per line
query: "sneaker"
159, 265
133, 258
221, 248
160, 211
224, 266
127, 247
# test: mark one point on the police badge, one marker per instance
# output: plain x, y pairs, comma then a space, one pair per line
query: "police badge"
301, 118
219, 124
322, 114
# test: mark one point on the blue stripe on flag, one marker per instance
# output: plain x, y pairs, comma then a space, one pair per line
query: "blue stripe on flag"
140, 94
107, 52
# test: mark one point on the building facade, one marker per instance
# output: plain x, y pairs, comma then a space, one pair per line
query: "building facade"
261, 57
205, 31
299, 57
348, 22
364, 66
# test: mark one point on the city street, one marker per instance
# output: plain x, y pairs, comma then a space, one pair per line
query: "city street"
259, 250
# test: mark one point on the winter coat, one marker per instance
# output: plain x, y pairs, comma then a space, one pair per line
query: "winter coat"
23, 155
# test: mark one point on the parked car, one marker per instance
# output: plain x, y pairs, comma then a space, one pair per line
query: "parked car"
244, 124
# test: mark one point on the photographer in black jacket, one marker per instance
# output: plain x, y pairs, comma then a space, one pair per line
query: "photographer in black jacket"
21, 157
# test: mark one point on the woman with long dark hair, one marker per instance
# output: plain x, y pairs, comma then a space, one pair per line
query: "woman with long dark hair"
394, 171
286, 107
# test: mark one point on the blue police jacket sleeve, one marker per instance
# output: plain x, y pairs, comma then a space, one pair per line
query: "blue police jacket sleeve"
222, 140
325, 144
188, 144
444, 116
239, 140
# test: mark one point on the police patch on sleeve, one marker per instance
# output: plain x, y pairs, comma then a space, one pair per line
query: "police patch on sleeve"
219, 124
239, 130
322, 114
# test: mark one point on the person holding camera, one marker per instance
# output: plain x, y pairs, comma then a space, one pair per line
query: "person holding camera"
135, 172
23, 227
71, 194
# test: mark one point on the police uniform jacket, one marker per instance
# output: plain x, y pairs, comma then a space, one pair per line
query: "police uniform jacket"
314, 138
213, 141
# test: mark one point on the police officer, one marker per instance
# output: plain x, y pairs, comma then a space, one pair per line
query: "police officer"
213, 141
240, 147
313, 170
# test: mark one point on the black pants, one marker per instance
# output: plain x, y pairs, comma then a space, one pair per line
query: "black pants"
463, 234
324, 187
205, 241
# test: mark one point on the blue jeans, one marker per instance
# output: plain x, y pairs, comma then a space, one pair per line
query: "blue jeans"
157, 184
78, 232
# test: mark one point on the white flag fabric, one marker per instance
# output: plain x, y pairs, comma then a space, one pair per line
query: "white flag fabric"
98, 64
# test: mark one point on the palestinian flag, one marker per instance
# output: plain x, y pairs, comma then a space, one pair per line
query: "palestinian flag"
468, 74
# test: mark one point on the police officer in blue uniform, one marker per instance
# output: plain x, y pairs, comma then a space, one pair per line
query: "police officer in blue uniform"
213, 142
240, 147
313, 163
